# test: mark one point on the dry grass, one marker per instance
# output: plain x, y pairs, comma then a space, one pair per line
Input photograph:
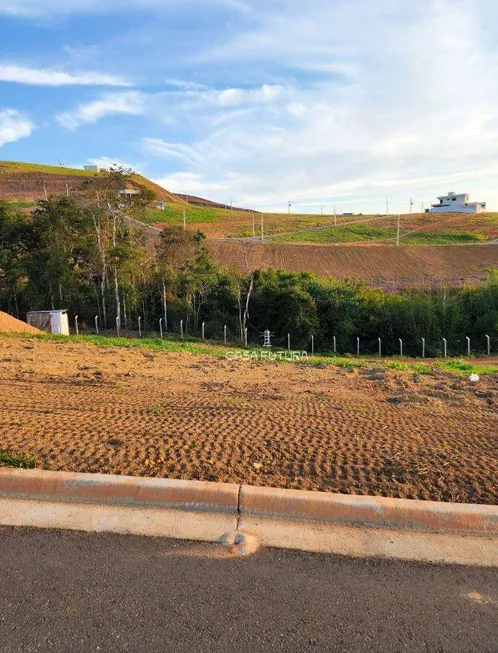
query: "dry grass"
16, 167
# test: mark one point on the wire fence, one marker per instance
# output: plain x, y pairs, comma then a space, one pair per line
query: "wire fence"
358, 346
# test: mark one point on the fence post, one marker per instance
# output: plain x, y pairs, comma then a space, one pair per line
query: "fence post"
118, 325
139, 326
380, 346
181, 329
245, 336
445, 347
76, 325
468, 345
312, 345
288, 341
488, 340
161, 327
335, 345
400, 347
357, 346
225, 334
204, 331
97, 324
423, 347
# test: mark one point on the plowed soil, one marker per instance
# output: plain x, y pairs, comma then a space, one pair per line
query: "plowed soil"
78, 407
351, 262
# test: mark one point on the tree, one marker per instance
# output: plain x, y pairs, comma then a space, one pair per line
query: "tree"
13, 252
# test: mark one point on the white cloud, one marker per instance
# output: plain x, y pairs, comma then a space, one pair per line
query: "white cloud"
184, 84
38, 8
402, 100
325, 101
233, 97
47, 77
177, 103
191, 183
129, 102
14, 126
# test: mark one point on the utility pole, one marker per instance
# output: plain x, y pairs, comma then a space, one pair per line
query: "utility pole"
411, 204
397, 232
231, 203
335, 217
262, 228
387, 206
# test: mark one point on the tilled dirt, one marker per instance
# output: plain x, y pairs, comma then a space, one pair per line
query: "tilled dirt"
79, 407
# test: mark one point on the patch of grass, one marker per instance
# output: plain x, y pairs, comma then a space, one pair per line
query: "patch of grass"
19, 461
19, 167
25, 205
172, 343
444, 238
173, 214
275, 225
347, 234
464, 368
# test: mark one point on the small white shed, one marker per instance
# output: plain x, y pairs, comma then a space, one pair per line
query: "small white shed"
55, 322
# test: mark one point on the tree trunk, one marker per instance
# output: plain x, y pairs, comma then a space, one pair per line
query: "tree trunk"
117, 299
239, 302
124, 310
165, 307
15, 302
246, 309
103, 276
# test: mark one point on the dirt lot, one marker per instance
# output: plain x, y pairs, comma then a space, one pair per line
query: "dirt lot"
80, 407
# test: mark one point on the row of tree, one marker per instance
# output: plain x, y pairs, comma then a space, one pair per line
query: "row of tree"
88, 254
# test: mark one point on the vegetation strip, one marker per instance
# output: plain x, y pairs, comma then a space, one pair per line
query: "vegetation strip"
458, 366
85, 253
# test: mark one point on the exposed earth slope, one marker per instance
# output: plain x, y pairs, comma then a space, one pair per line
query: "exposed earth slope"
350, 262
29, 182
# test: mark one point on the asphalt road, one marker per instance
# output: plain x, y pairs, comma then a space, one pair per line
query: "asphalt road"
72, 592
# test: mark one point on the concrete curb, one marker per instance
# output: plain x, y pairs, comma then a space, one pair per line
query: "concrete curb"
309, 521
199, 496
365, 510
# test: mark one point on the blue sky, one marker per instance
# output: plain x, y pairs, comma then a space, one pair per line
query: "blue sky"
323, 102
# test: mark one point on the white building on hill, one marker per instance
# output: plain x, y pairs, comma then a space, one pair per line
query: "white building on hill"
457, 203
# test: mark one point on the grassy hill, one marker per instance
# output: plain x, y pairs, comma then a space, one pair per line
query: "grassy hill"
26, 183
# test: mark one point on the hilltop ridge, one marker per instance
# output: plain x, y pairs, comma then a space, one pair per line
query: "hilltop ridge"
28, 182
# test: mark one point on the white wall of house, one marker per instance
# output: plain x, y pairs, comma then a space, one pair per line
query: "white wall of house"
457, 203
